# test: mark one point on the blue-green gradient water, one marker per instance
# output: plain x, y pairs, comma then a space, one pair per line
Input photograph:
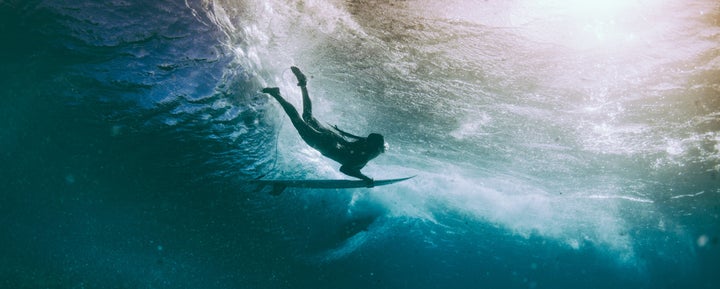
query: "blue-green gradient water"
557, 144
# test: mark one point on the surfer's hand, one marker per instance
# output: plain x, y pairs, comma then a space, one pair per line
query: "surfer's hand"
370, 183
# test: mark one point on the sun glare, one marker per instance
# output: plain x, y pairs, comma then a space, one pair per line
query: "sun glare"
587, 24
605, 9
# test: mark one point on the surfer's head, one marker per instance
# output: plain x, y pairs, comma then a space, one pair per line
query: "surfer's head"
376, 142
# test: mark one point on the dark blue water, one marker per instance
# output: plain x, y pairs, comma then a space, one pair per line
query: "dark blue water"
555, 145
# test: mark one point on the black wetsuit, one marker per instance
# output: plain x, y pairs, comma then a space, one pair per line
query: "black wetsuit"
352, 151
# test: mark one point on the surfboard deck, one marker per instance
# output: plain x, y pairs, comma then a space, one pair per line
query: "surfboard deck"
281, 184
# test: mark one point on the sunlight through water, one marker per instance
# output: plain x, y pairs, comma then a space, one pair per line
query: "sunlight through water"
553, 144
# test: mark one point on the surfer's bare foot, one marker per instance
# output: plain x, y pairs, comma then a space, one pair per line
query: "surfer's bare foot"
302, 81
271, 91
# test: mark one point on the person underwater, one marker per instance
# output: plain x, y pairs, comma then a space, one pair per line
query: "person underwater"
351, 151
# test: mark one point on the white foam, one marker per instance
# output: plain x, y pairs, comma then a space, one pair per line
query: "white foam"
518, 205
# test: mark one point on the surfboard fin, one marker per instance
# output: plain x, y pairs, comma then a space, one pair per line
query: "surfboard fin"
277, 189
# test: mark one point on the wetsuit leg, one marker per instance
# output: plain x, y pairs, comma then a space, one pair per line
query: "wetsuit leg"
298, 122
307, 111
307, 104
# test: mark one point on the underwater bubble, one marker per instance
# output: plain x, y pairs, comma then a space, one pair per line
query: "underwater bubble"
69, 179
116, 130
703, 240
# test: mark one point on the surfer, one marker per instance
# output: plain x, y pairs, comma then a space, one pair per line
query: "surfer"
351, 151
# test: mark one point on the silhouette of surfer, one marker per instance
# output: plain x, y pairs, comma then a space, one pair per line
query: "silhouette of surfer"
351, 151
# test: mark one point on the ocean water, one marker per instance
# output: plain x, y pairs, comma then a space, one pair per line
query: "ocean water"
557, 144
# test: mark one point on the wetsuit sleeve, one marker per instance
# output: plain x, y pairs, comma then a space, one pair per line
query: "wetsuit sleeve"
355, 172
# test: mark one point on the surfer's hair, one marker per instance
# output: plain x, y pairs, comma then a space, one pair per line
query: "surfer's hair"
376, 141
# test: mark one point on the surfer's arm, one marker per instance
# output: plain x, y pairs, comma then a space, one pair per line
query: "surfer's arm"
346, 134
355, 172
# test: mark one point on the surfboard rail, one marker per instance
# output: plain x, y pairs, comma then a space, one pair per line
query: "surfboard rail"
281, 184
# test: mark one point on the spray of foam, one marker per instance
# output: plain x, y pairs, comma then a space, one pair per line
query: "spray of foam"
518, 205
268, 36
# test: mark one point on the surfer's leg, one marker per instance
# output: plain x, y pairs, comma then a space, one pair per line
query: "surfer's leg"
307, 104
302, 80
307, 111
288, 107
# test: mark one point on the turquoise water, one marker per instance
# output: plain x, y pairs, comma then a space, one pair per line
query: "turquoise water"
557, 144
